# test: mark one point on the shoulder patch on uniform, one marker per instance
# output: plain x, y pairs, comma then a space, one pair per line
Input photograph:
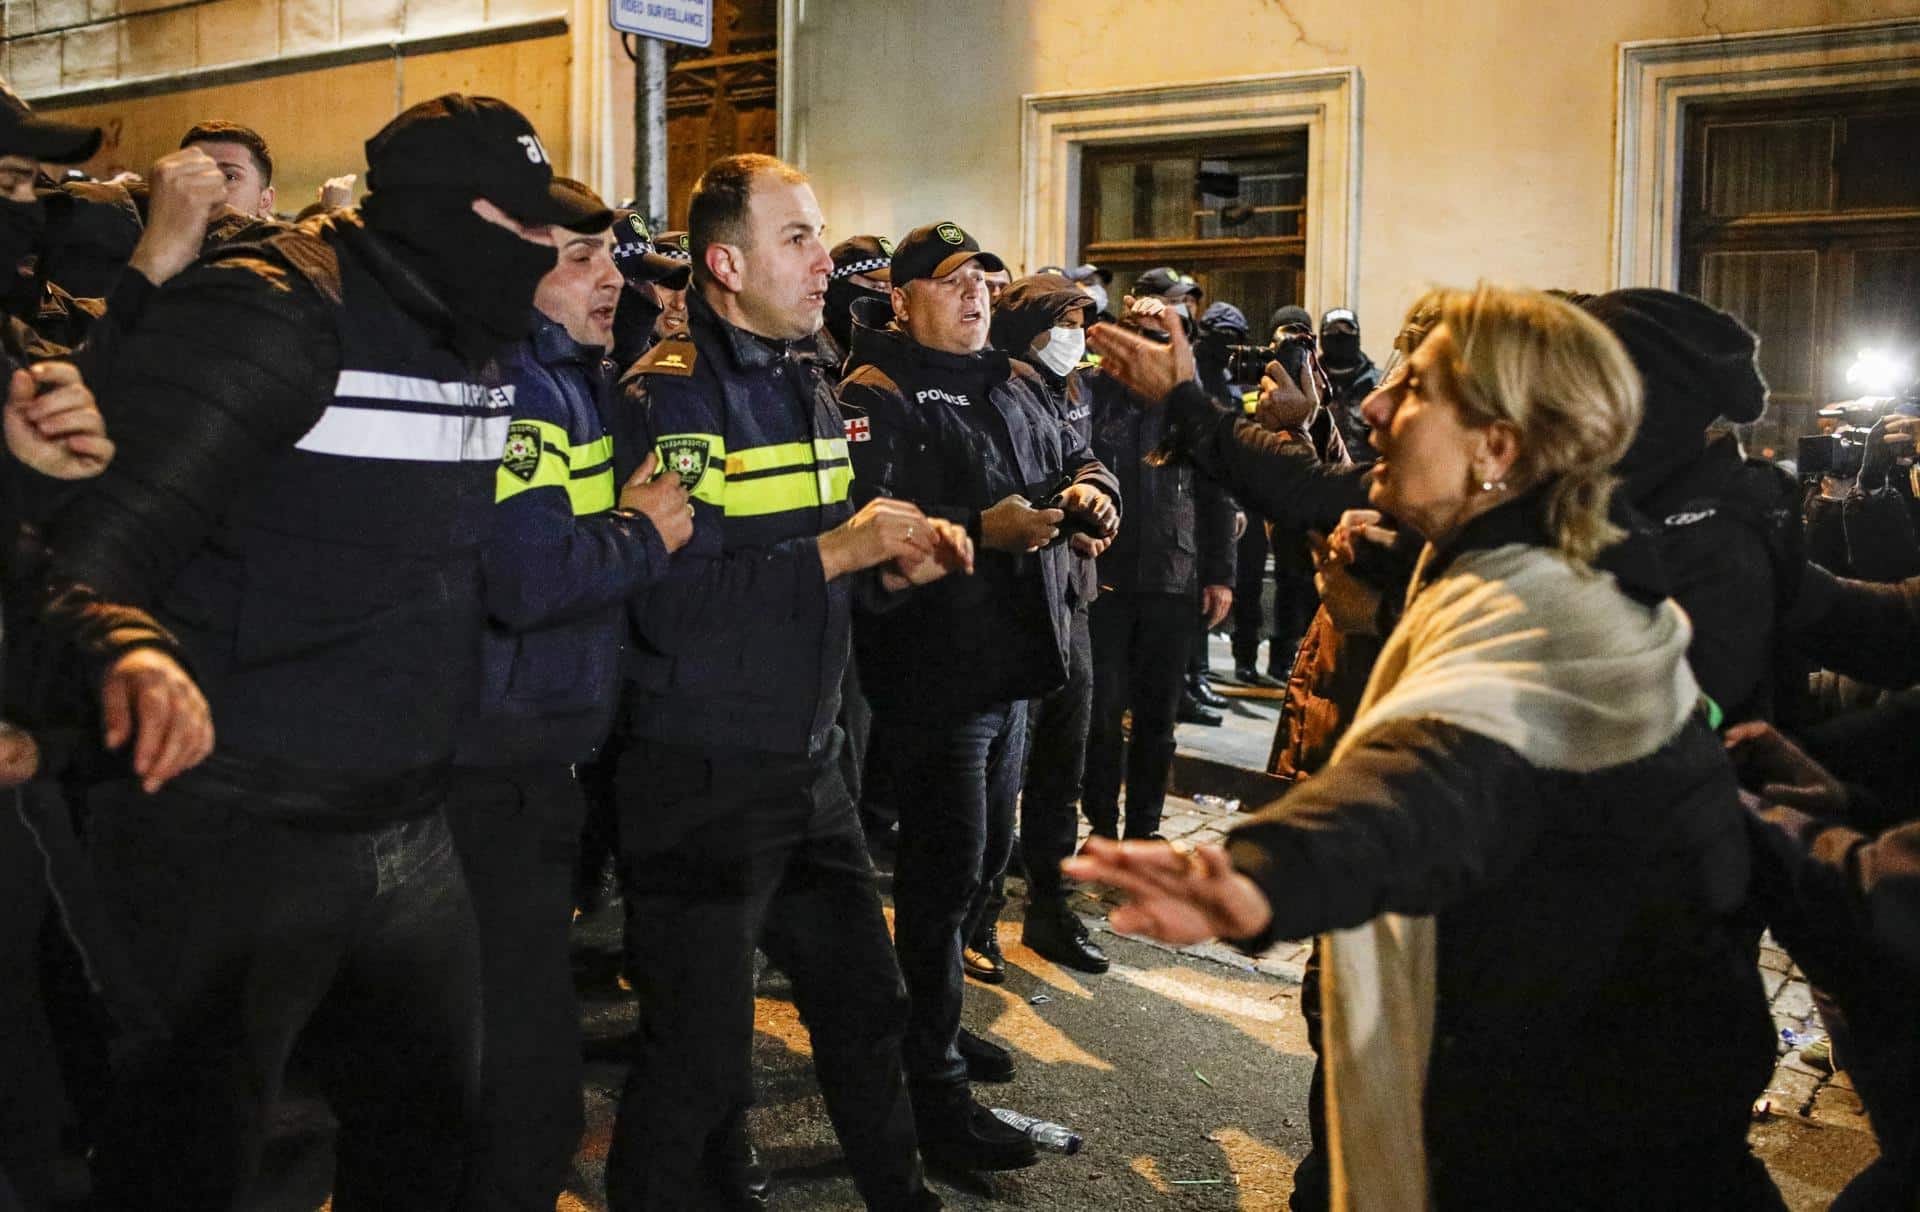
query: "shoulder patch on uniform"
522, 456
672, 357
859, 429
686, 457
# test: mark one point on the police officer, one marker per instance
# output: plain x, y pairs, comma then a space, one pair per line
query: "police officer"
861, 270
652, 280
310, 434
738, 830
564, 555
967, 435
1041, 321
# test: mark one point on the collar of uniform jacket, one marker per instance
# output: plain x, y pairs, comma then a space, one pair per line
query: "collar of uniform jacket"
748, 350
554, 346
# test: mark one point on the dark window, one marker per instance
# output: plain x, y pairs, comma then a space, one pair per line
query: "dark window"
1230, 211
1801, 216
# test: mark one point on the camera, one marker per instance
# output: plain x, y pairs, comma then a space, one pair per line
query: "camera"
1841, 452
1247, 363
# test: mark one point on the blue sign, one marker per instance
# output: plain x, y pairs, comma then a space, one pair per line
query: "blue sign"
685, 21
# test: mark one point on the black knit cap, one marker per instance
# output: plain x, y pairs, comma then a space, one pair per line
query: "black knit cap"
1694, 358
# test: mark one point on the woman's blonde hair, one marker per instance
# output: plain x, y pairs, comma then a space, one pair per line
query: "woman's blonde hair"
1561, 380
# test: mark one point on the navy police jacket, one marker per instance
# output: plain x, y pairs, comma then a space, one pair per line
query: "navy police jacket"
559, 565
956, 434
742, 644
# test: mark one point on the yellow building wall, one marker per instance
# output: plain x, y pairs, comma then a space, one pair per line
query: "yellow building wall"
1487, 135
317, 123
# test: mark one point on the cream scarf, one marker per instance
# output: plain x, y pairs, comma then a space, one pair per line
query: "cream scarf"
1557, 663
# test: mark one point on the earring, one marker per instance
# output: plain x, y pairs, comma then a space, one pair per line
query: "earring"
1493, 486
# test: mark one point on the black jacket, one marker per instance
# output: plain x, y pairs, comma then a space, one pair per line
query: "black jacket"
1567, 904
1179, 532
1271, 473
1350, 390
304, 480
955, 434
1716, 519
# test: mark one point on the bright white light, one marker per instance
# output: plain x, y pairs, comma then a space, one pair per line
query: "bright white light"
1878, 373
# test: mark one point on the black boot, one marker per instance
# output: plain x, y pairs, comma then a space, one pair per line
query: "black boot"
744, 1182
1191, 711
1203, 692
986, 1060
960, 1134
1057, 933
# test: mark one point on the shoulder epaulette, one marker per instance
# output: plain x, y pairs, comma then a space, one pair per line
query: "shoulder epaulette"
673, 356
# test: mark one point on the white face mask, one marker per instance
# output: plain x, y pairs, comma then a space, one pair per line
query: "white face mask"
1098, 294
1063, 350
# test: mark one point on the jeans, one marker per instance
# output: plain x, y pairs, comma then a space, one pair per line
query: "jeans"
957, 778
1140, 646
726, 851
253, 933
517, 832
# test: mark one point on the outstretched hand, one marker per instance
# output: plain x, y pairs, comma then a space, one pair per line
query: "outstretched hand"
1147, 368
1175, 896
1781, 772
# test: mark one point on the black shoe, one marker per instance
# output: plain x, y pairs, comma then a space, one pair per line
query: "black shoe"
986, 1060
960, 1134
1191, 712
1203, 692
1055, 932
1247, 675
744, 1182
982, 958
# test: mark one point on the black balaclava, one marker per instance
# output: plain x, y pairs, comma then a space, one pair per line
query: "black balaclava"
842, 294
482, 272
23, 226
633, 321
1339, 350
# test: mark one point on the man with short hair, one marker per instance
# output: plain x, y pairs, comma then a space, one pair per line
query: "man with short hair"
244, 161
310, 435
939, 419
564, 555
737, 827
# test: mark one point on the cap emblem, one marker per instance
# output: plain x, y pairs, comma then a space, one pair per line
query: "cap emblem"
950, 233
886, 245
639, 226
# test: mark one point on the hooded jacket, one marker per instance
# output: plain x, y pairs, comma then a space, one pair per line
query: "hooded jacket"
955, 434
1027, 308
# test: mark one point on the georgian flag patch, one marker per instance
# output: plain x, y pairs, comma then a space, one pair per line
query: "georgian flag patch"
858, 429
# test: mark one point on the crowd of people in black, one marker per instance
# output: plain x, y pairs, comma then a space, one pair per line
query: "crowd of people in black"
381, 576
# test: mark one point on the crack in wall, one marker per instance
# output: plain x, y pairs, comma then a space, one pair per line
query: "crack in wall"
1706, 19
1300, 31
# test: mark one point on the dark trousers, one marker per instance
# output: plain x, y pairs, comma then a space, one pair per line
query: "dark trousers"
1250, 621
957, 778
517, 832
30, 1094
1056, 765
1140, 644
253, 933
726, 851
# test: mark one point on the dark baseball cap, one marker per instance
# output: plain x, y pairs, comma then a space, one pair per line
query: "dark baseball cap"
1340, 315
478, 145
869, 255
1080, 273
675, 244
1225, 317
1162, 283
634, 253
936, 250
23, 134
588, 213
1292, 316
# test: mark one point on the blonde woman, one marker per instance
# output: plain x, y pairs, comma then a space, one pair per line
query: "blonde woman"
1524, 852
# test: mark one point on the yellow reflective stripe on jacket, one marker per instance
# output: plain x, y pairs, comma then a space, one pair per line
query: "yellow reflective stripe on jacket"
786, 476
584, 471
700, 460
